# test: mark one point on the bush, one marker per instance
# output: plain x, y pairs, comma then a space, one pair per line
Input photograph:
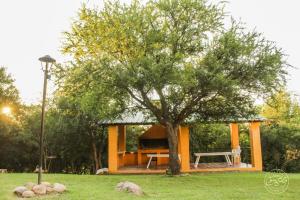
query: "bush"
281, 147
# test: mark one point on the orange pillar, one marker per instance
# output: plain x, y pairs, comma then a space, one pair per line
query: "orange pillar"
112, 148
122, 138
235, 141
184, 148
121, 144
255, 142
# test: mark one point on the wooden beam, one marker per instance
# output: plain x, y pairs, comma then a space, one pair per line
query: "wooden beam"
235, 141
234, 133
112, 148
121, 144
184, 148
122, 138
255, 142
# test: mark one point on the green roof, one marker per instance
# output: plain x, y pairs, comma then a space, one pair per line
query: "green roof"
130, 118
140, 118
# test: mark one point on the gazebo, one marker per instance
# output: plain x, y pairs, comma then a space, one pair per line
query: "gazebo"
152, 154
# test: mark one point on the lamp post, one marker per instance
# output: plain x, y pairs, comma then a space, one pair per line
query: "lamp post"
47, 60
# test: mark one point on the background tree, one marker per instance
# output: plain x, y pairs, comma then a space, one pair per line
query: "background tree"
69, 137
8, 92
82, 97
15, 148
281, 136
9, 98
179, 52
282, 108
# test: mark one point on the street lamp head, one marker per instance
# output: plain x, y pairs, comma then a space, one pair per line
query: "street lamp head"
47, 59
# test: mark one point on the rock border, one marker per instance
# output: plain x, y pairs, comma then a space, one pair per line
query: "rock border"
30, 189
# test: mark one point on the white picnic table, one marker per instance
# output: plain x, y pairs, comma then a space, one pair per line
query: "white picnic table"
226, 154
156, 155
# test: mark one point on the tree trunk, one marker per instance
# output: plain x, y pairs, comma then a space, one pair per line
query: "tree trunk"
100, 160
174, 163
95, 155
101, 145
100, 153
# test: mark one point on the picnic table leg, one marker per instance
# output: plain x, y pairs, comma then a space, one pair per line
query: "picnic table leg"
149, 162
197, 161
228, 160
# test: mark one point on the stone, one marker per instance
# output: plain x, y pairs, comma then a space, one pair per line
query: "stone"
28, 194
184, 174
39, 189
19, 190
50, 190
129, 187
102, 171
47, 184
59, 187
29, 185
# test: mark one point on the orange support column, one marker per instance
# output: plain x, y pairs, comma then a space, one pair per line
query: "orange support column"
112, 148
121, 144
122, 138
184, 148
256, 156
235, 142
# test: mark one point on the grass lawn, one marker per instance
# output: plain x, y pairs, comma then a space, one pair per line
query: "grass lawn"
215, 186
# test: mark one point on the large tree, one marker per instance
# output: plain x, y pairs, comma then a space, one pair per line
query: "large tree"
180, 54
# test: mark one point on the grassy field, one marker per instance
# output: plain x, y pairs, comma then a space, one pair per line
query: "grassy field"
215, 186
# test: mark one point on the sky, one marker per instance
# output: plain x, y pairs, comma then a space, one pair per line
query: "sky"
33, 28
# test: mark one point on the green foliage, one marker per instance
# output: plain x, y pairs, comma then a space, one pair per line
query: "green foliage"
81, 102
8, 92
70, 119
132, 136
209, 137
19, 146
281, 147
281, 137
70, 134
14, 152
179, 52
9, 97
282, 108
81, 86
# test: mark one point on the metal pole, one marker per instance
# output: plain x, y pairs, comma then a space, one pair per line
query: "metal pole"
42, 124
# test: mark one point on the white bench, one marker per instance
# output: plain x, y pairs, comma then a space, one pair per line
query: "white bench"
155, 155
2, 171
226, 154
